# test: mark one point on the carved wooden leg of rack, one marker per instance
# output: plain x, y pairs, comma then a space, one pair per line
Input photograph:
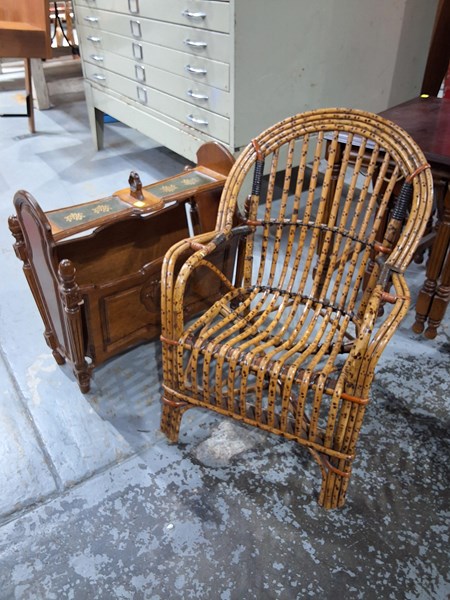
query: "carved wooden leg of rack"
440, 301
71, 299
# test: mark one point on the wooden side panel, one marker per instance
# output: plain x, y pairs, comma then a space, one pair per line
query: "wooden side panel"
40, 266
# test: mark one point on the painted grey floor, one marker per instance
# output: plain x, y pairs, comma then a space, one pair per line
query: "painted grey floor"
95, 504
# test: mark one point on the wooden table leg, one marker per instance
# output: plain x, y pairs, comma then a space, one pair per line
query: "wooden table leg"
425, 299
440, 301
29, 98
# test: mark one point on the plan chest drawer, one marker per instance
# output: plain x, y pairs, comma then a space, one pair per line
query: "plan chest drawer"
199, 118
193, 68
204, 14
201, 42
198, 94
185, 72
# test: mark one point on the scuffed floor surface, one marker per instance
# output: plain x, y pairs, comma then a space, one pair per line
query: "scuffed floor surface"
96, 504
237, 519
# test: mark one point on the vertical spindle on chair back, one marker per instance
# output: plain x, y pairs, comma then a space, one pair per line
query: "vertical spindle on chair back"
320, 209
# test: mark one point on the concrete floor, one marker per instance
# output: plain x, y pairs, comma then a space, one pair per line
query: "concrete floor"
95, 504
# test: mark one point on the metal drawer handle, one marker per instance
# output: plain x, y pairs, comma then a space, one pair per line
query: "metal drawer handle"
136, 28
196, 95
196, 70
98, 77
94, 38
193, 44
196, 120
91, 19
133, 6
97, 58
138, 52
139, 72
141, 94
193, 15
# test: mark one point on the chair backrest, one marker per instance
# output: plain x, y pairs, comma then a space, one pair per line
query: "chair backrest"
321, 211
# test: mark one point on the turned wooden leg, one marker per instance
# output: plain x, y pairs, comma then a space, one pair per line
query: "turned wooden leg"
71, 299
59, 358
424, 245
426, 295
440, 301
423, 304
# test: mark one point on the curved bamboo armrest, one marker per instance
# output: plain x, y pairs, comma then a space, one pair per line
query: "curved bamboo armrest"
168, 275
201, 245
185, 245
221, 238
201, 251
173, 284
400, 300
374, 335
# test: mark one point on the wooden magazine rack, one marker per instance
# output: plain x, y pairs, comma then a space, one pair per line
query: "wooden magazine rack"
94, 268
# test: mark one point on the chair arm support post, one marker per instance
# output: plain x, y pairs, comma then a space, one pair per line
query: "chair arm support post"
359, 351
168, 269
369, 347
168, 277
173, 285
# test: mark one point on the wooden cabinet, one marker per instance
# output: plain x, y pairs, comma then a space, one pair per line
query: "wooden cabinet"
94, 269
188, 71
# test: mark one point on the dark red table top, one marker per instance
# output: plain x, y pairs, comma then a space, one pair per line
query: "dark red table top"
427, 120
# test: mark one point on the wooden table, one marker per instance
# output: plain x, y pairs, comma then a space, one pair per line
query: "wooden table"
25, 33
427, 120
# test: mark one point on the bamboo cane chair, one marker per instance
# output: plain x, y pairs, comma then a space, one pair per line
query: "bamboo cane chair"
292, 345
